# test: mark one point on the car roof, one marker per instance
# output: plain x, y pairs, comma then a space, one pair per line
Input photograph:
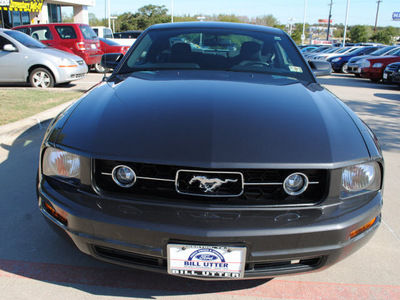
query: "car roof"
221, 25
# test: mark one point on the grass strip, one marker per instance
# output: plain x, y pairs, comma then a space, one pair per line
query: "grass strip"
19, 104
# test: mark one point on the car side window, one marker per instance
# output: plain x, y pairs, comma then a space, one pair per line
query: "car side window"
66, 32
41, 33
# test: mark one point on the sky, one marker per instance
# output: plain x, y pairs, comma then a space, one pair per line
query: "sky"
361, 12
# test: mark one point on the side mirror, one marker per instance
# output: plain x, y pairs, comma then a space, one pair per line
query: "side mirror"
320, 68
111, 60
9, 48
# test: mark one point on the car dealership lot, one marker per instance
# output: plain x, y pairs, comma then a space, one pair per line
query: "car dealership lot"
36, 263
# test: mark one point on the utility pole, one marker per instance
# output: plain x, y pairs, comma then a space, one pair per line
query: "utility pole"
329, 20
377, 11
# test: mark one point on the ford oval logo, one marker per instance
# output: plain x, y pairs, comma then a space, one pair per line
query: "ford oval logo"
206, 257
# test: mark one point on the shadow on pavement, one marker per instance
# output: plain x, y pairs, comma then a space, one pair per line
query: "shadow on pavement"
30, 249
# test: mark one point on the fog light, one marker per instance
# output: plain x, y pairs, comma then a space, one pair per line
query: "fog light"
295, 184
124, 176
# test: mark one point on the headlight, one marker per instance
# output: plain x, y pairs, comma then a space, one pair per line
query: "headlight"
336, 59
364, 63
62, 165
360, 178
377, 65
67, 63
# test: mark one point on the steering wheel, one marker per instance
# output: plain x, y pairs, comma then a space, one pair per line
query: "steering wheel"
257, 63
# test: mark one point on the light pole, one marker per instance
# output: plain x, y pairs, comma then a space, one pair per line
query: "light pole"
113, 18
303, 36
108, 14
377, 12
329, 21
291, 25
172, 11
345, 25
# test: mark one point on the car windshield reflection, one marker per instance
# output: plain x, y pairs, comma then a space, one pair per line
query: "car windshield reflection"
217, 49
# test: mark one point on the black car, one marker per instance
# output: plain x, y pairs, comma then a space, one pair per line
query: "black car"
212, 161
391, 75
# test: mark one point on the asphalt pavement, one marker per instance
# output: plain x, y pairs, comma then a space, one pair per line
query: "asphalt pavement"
36, 264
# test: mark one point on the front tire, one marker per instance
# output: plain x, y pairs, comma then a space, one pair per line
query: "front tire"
343, 68
41, 78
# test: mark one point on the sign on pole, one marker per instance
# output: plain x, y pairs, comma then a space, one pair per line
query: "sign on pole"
396, 16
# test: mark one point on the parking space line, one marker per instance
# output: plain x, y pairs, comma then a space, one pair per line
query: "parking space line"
134, 279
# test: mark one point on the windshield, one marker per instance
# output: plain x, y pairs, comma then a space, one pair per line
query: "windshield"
217, 49
25, 39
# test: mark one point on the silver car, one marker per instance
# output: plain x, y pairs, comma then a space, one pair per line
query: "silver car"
24, 59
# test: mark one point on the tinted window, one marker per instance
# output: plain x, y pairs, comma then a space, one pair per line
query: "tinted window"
66, 32
87, 32
218, 49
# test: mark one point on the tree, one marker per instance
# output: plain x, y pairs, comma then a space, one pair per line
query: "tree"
384, 36
266, 20
359, 34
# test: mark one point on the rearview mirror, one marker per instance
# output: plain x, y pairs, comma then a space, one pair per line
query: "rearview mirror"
111, 60
320, 68
9, 48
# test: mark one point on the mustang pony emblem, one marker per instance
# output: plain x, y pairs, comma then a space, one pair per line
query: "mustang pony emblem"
210, 184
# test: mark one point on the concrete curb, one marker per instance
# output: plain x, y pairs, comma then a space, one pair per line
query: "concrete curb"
18, 127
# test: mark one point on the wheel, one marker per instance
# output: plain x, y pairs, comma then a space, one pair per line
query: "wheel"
100, 69
357, 75
41, 78
343, 68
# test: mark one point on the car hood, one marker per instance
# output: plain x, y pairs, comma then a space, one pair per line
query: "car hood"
225, 120
384, 59
55, 53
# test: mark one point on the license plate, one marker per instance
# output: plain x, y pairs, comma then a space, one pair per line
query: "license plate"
359, 70
385, 75
206, 261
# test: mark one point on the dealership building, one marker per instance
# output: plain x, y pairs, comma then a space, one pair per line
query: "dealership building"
21, 12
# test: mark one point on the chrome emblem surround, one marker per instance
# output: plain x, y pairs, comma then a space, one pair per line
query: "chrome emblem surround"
208, 182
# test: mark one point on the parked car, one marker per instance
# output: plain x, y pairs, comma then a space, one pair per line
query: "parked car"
353, 66
373, 68
110, 46
127, 37
78, 39
24, 59
391, 75
339, 63
336, 53
211, 164
318, 50
103, 32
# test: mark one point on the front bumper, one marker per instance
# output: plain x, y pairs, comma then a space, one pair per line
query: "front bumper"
279, 241
375, 74
67, 74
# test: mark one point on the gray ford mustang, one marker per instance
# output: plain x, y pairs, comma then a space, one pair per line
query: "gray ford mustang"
211, 152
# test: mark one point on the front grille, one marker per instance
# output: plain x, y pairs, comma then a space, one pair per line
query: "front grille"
260, 186
278, 266
128, 257
391, 69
